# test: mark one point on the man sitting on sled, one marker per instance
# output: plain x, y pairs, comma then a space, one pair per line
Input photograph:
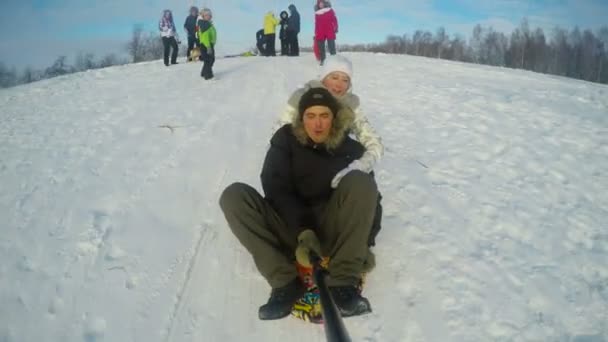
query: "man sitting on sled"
301, 212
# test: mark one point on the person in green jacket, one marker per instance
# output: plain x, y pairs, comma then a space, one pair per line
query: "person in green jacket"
207, 37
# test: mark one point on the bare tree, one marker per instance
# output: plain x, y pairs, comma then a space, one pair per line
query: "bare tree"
404, 44
602, 36
153, 47
519, 44
29, 75
59, 68
85, 61
524, 29
476, 41
493, 48
8, 77
458, 48
442, 40
538, 51
561, 51
109, 60
589, 55
427, 43
575, 40
135, 45
417, 41
144, 46
393, 44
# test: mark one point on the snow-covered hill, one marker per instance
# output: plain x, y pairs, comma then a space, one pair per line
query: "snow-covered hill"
494, 182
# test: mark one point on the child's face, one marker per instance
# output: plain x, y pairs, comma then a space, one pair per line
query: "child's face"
337, 83
206, 16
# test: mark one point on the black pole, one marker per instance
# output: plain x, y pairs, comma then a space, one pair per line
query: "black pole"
332, 320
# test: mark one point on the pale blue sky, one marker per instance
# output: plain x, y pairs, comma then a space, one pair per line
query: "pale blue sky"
37, 31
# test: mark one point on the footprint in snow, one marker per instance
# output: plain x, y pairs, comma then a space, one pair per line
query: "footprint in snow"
94, 329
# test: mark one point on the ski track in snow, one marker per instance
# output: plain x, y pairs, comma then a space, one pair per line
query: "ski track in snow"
493, 180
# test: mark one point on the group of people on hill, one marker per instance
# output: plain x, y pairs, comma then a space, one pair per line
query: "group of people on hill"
326, 28
202, 38
288, 33
202, 35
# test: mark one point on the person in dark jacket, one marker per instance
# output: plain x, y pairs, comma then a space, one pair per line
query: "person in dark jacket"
293, 29
260, 42
283, 33
301, 212
190, 27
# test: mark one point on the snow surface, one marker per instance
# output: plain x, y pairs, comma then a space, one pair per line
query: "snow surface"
495, 190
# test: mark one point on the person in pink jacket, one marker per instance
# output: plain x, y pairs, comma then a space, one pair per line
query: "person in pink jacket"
326, 27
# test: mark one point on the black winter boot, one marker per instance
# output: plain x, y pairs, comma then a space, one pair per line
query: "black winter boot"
349, 301
281, 300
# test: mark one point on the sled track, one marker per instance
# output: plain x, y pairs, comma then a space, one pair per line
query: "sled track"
203, 234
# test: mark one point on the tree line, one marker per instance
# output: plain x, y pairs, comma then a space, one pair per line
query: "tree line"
577, 53
143, 46
84, 61
580, 54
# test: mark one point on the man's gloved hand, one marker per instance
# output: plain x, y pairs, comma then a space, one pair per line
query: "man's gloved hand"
354, 165
307, 242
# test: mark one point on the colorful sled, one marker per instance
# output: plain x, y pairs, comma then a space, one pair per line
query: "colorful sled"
308, 308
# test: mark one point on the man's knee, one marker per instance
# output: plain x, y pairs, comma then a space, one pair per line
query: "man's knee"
359, 182
234, 195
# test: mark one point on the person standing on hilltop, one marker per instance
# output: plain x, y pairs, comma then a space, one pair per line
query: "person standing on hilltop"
326, 28
270, 24
293, 29
207, 38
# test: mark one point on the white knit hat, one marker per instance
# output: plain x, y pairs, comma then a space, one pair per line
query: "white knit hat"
336, 63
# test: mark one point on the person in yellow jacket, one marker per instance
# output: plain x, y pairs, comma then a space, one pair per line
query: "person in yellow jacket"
207, 37
270, 24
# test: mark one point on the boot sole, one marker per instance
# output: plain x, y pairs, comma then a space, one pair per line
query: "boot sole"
272, 318
362, 308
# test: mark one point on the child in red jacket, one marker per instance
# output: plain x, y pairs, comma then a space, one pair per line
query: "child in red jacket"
326, 27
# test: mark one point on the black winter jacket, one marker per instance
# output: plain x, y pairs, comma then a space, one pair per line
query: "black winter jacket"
297, 178
190, 25
294, 19
297, 174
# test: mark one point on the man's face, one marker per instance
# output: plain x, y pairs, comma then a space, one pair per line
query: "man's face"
318, 121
